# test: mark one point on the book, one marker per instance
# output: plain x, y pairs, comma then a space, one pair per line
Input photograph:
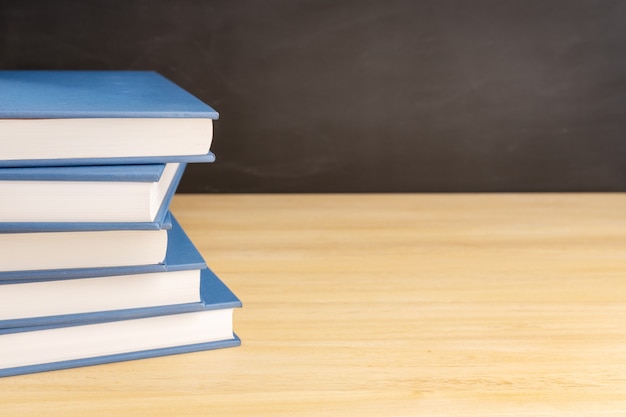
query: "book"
79, 194
179, 251
100, 117
44, 348
179, 288
86, 246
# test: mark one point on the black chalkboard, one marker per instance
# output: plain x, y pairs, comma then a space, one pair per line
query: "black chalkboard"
376, 96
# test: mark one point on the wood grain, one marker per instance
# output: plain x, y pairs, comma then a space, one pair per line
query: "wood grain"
386, 305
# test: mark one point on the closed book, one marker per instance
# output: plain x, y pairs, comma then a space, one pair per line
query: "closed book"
35, 256
178, 248
179, 288
86, 194
100, 117
96, 341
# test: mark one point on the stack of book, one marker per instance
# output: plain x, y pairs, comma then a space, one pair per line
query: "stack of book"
93, 266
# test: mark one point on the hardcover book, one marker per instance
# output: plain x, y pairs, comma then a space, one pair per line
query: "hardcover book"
181, 254
91, 252
29, 302
100, 117
32, 197
43, 348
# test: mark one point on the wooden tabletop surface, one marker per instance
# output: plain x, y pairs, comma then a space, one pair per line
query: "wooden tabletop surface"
386, 305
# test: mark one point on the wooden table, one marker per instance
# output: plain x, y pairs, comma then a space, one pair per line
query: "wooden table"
386, 305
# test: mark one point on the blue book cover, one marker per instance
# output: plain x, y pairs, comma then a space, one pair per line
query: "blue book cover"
121, 357
77, 118
55, 94
181, 255
122, 173
31, 346
211, 290
95, 173
118, 160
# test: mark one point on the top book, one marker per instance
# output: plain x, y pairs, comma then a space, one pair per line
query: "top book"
100, 117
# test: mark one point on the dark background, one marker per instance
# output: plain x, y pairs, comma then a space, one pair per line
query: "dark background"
354, 96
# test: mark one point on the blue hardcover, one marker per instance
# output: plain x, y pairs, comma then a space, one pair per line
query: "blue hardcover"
161, 220
96, 173
45, 94
216, 295
213, 293
210, 157
122, 357
50, 94
181, 255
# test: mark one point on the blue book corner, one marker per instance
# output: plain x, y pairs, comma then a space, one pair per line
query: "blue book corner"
216, 295
45, 94
190, 159
181, 255
93, 173
96, 173
121, 357
213, 293
110, 94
